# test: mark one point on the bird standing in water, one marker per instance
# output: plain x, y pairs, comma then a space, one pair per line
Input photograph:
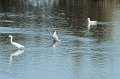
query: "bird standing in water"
19, 46
55, 36
91, 23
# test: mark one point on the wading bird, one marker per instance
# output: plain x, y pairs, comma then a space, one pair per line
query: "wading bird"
55, 36
91, 23
19, 46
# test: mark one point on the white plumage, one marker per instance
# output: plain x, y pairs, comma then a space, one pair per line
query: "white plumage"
91, 22
19, 46
55, 36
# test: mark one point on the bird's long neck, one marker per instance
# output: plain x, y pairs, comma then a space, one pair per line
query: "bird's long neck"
11, 39
88, 20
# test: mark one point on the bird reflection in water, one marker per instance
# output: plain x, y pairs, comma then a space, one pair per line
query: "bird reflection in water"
16, 53
88, 26
54, 44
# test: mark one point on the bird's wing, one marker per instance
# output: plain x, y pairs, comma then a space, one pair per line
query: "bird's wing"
55, 36
17, 45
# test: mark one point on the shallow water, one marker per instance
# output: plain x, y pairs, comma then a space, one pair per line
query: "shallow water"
81, 53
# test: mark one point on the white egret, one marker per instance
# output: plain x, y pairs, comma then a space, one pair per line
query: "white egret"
55, 36
91, 22
19, 46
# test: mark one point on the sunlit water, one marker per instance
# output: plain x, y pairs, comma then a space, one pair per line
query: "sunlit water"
81, 53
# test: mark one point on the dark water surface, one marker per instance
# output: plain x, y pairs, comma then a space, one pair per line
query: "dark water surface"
81, 53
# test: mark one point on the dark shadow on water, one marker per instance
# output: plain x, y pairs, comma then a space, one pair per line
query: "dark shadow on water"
54, 44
